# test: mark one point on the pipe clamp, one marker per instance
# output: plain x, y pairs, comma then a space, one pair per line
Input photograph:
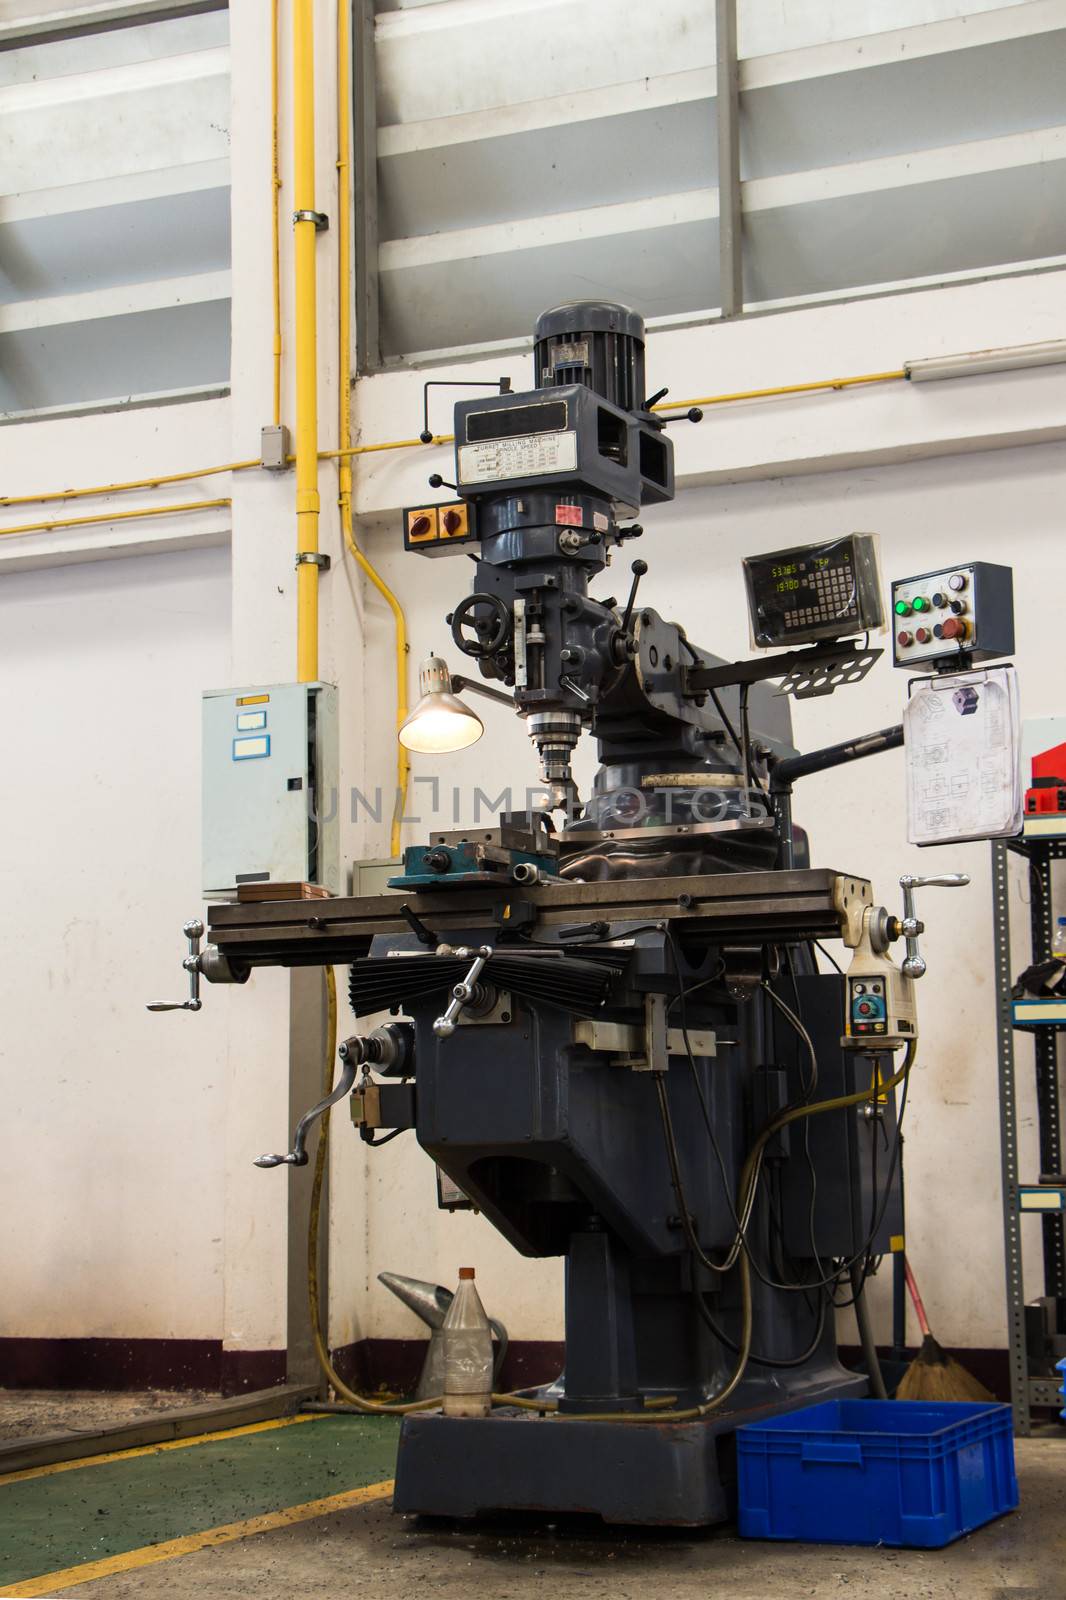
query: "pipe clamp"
319, 218
312, 558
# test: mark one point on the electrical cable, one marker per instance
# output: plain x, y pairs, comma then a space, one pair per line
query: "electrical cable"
362, 1403
447, 438
832, 960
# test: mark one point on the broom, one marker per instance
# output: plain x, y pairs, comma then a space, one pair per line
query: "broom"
933, 1374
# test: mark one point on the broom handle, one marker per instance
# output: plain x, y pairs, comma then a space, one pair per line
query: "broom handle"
919, 1309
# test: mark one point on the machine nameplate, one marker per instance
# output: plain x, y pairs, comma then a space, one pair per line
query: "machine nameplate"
527, 456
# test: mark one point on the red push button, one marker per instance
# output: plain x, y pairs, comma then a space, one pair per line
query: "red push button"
923, 636
865, 1009
904, 639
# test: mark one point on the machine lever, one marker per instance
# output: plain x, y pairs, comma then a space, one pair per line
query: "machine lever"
193, 931
913, 964
297, 1156
638, 569
463, 992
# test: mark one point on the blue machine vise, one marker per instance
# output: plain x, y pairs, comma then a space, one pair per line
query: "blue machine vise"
504, 854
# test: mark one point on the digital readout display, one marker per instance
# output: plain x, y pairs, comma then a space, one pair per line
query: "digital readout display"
802, 594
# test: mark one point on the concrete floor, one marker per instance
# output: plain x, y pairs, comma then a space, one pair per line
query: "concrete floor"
368, 1550
26, 1413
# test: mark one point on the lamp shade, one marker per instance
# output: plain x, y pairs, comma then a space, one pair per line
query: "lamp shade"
440, 722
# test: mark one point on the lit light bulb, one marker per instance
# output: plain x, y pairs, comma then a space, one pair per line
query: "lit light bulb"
440, 722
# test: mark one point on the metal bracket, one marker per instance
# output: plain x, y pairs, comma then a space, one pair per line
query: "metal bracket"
319, 218
627, 1039
312, 558
822, 677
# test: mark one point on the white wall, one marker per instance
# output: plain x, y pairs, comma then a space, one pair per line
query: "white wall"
151, 1220
1001, 505
113, 1170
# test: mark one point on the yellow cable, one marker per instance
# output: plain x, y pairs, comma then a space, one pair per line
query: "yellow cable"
448, 438
275, 193
781, 389
377, 1407
110, 516
344, 454
133, 483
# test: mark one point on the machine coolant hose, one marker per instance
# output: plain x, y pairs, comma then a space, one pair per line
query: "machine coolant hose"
738, 1256
866, 1332
360, 1402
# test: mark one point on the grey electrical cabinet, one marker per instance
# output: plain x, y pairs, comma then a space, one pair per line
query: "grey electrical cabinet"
270, 787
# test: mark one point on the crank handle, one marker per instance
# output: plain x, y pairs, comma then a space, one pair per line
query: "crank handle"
463, 992
297, 1156
193, 931
914, 964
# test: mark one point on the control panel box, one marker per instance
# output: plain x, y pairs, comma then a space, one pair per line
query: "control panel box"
961, 610
814, 592
439, 530
270, 787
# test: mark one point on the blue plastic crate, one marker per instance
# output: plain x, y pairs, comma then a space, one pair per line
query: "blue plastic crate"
1060, 1366
898, 1472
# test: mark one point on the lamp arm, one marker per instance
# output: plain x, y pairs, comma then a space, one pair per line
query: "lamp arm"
460, 683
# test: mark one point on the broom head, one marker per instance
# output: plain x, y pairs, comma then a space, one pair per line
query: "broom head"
934, 1375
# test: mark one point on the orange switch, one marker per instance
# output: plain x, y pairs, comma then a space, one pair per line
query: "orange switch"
422, 525
455, 520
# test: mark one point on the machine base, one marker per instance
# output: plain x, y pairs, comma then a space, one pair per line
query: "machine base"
677, 1474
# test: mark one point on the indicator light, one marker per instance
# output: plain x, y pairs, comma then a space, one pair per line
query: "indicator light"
957, 581
920, 603
903, 608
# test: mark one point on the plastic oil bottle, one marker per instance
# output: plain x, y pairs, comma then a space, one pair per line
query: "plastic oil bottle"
1058, 939
467, 1352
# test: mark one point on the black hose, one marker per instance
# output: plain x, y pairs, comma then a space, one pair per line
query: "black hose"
866, 1335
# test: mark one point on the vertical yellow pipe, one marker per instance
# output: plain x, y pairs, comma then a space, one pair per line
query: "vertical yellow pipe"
344, 266
275, 202
305, 324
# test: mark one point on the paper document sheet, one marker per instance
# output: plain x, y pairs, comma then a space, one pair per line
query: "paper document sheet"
962, 737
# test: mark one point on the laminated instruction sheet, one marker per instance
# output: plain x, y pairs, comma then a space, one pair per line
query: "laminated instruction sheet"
962, 738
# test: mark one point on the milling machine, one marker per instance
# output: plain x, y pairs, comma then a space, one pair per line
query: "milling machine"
608, 1028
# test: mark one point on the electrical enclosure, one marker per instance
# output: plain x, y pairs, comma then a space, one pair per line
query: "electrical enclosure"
270, 774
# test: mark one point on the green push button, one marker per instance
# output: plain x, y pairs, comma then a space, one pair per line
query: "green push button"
920, 603
903, 608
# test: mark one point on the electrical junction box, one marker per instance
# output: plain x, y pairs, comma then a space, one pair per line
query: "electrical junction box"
270, 787
965, 610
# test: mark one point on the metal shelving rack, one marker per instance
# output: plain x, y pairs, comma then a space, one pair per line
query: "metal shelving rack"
1038, 847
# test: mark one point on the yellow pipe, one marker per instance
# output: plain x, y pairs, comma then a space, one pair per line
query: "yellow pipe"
109, 516
445, 438
275, 203
306, 335
344, 455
